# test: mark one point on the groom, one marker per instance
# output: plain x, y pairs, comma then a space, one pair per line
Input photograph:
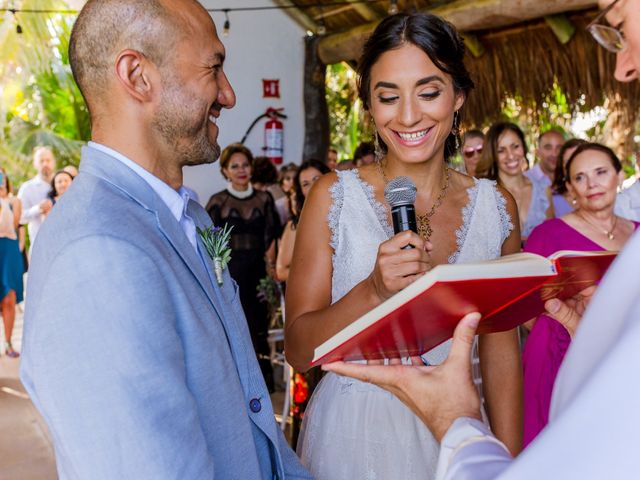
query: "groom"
141, 364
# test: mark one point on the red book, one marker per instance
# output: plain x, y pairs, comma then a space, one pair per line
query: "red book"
507, 292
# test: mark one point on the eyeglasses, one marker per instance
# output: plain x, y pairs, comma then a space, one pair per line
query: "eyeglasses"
608, 37
471, 151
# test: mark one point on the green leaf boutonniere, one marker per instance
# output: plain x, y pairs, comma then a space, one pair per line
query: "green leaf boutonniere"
216, 241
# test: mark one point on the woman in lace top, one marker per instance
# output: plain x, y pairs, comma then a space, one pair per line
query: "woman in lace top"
503, 159
413, 82
256, 226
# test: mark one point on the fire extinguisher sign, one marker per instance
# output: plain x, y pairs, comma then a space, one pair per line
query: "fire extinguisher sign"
270, 88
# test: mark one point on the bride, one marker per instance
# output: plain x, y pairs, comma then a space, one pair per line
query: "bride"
413, 82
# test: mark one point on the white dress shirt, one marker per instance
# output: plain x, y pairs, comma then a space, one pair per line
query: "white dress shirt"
31, 194
176, 201
628, 202
595, 414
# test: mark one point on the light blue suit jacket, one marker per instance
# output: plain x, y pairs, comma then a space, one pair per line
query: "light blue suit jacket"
141, 365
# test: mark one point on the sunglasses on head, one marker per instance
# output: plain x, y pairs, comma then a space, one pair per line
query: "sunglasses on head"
471, 151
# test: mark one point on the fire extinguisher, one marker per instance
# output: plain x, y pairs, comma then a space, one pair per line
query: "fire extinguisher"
274, 137
273, 134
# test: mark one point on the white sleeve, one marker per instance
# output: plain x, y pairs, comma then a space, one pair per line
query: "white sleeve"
470, 451
30, 209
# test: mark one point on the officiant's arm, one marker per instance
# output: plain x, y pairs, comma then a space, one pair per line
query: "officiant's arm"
500, 363
310, 317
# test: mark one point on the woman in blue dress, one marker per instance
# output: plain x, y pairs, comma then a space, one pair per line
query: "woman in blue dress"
11, 267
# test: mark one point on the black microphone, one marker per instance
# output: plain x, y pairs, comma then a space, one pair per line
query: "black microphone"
400, 194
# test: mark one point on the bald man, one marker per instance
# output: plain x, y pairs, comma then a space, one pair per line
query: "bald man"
595, 417
138, 358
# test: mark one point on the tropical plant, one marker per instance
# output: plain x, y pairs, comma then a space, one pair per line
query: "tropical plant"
39, 101
348, 123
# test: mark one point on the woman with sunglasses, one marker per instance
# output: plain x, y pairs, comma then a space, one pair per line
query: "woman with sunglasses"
472, 144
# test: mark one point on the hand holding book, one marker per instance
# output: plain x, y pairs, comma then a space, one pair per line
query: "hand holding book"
569, 313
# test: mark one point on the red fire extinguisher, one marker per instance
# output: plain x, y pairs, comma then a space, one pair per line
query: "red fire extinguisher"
274, 136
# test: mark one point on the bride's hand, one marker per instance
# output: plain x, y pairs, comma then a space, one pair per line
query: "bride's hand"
396, 267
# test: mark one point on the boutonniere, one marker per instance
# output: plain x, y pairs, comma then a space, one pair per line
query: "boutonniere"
216, 241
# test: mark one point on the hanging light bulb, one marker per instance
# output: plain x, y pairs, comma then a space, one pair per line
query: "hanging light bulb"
18, 26
322, 28
393, 7
227, 24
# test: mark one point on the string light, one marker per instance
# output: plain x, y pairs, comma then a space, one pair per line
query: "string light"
213, 10
18, 26
393, 7
227, 24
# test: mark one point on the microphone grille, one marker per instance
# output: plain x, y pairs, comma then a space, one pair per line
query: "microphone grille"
400, 191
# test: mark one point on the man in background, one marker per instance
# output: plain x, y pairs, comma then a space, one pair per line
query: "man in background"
33, 193
548, 152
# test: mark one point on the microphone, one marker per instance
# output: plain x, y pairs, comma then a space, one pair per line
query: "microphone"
400, 194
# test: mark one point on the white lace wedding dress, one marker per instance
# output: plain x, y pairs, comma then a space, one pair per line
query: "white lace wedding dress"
354, 430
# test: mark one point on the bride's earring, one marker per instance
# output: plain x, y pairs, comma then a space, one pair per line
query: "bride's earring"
455, 128
377, 150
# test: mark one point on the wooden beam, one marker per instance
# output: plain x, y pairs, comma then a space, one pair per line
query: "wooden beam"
297, 15
365, 11
466, 15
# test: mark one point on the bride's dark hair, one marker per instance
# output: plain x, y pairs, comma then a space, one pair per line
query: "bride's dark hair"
436, 37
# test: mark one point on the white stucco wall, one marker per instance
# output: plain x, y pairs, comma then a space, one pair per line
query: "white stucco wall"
260, 44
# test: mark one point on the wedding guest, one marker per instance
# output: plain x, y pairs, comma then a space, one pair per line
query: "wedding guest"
347, 260
548, 154
283, 204
503, 159
345, 165
471, 150
255, 227
33, 193
593, 423
264, 177
628, 201
563, 202
332, 158
593, 175
306, 176
71, 169
11, 265
60, 182
365, 154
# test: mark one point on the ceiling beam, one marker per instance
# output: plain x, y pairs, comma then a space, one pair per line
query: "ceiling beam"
466, 15
365, 11
297, 15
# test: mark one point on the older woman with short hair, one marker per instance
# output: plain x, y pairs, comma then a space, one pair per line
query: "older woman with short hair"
593, 174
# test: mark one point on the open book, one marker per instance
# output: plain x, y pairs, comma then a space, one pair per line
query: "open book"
507, 292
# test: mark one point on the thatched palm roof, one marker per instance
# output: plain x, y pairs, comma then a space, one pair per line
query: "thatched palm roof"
517, 52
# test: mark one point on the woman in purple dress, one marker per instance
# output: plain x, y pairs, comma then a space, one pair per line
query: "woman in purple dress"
593, 174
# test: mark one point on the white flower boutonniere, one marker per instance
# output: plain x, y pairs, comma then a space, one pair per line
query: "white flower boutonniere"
216, 241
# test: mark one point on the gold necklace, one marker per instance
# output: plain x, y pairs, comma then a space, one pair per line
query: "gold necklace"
424, 219
608, 233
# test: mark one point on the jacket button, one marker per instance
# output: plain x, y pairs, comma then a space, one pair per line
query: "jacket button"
255, 405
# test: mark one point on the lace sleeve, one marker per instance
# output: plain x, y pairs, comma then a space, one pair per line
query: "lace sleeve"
506, 223
337, 197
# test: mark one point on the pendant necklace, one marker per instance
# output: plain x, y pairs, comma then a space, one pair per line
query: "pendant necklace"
608, 233
424, 219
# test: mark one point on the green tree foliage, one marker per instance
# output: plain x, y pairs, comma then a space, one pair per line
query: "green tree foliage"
348, 122
39, 101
